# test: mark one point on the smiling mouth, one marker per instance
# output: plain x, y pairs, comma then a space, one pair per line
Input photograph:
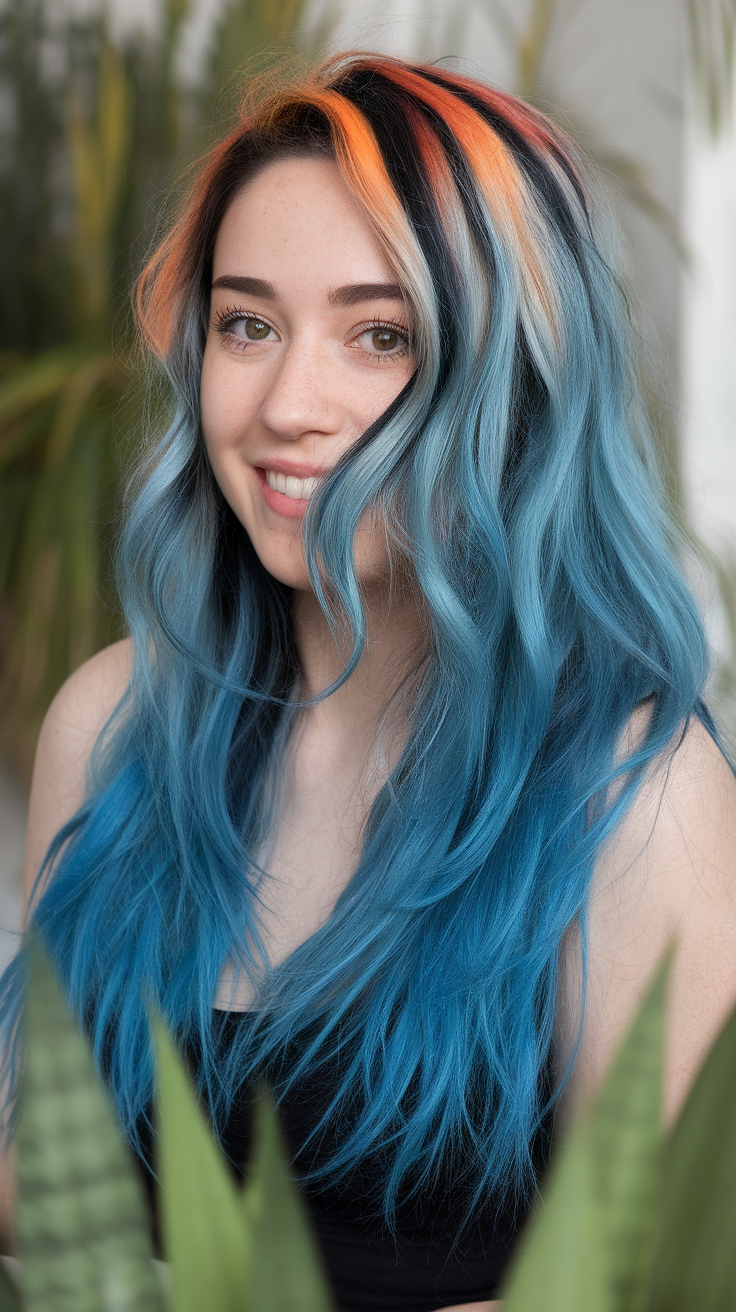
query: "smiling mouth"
297, 489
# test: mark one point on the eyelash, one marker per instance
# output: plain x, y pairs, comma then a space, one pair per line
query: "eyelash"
224, 319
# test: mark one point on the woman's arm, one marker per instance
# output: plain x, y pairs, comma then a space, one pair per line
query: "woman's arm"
668, 874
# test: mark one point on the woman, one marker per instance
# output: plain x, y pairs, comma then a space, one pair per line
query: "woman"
410, 712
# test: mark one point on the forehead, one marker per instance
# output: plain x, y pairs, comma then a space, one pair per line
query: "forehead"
298, 220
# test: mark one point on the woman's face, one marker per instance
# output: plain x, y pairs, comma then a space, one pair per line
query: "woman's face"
308, 344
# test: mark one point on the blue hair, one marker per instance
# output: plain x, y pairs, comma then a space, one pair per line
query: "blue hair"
516, 472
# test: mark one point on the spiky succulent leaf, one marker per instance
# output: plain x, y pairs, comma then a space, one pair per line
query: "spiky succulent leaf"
288, 1271
695, 1264
83, 1227
206, 1238
560, 1262
627, 1140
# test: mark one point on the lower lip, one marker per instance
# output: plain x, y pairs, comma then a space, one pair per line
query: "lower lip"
289, 507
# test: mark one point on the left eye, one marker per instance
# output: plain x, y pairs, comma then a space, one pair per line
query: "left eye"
383, 341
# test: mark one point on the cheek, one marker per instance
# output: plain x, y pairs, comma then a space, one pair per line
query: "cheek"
226, 406
224, 420
374, 391
212, 410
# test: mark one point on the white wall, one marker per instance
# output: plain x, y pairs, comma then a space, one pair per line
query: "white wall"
708, 373
708, 340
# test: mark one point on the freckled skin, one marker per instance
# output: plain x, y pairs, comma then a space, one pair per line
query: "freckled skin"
302, 383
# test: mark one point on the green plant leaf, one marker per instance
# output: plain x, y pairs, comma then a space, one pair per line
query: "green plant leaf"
712, 26
560, 1263
119, 123
33, 381
288, 1271
627, 1139
83, 1227
206, 1238
695, 1263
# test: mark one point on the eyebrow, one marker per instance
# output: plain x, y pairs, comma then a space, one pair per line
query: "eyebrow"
357, 292
247, 286
352, 294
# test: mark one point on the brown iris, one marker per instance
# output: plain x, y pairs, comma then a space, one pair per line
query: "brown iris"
256, 329
385, 339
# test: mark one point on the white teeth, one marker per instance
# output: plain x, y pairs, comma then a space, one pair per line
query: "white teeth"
298, 489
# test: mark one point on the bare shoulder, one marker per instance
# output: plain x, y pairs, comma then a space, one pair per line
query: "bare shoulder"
678, 842
84, 702
70, 729
667, 875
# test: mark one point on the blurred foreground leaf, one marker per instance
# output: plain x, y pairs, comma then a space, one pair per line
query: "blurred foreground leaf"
206, 1238
626, 1136
230, 1251
560, 1263
695, 1265
623, 1226
288, 1271
590, 1246
83, 1227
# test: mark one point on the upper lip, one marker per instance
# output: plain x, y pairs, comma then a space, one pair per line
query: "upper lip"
296, 471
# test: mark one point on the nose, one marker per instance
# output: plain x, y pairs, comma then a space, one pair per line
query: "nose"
301, 399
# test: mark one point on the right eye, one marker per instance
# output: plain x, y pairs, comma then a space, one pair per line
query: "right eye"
244, 327
256, 330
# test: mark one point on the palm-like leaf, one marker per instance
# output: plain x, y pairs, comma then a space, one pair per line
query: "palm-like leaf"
590, 1247
626, 1139
69, 416
712, 26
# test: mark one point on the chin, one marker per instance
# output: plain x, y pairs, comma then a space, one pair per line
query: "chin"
292, 573
289, 567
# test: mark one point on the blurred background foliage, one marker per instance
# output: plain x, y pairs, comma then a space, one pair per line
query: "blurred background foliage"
94, 134
712, 25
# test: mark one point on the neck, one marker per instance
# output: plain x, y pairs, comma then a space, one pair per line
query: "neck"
395, 640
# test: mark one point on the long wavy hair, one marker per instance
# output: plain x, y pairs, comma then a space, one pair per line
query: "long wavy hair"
516, 471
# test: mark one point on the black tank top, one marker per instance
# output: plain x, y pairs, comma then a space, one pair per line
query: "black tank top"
428, 1262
